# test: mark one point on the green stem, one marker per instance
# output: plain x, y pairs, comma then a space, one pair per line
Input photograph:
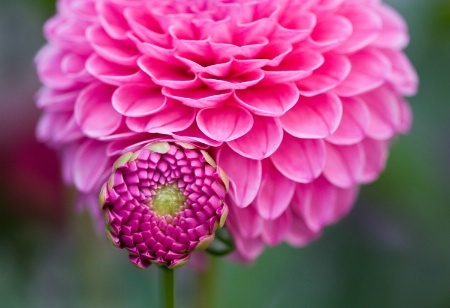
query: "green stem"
206, 284
168, 278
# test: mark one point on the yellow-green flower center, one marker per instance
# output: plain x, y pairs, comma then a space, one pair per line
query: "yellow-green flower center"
167, 200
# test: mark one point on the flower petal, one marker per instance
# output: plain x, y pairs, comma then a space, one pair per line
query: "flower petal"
274, 230
344, 164
199, 97
173, 117
394, 33
313, 117
94, 112
384, 113
334, 70
271, 100
261, 141
299, 234
224, 123
370, 69
301, 160
90, 164
314, 202
375, 153
275, 192
354, 122
244, 174
137, 100
247, 220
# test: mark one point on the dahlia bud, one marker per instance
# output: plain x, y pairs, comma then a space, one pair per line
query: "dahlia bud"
163, 202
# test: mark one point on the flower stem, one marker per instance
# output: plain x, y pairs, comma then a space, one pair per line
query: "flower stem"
168, 278
206, 284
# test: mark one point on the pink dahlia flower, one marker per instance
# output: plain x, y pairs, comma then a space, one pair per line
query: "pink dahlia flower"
163, 202
297, 100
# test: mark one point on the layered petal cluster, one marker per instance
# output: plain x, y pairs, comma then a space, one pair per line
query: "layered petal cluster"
297, 100
163, 202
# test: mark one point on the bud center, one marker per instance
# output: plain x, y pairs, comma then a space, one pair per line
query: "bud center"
167, 200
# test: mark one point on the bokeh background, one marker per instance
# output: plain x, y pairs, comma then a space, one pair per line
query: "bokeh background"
393, 250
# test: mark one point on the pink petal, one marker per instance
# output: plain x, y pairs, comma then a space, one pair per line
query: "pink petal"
247, 220
112, 20
250, 50
301, 160
173, 117
295, 29
384, 113
94, 112
261, 141
271, 100
314, 202
394, 33
344, 164
233, 82
274, 230
403, 76
200, 97
375, 153
89, 165
194, 134
224, 123
118, 51
405, 116
244, 174
334, 70
295, 66
370, 69
345, 200
275, 192
167, 75
146, 27
354, 122
299, 234
56, 100
366, 25
248, 249
115, 74
329, 32
137, 100
58, 128
313, 117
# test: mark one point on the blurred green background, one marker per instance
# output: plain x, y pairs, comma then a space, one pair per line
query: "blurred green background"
393, 250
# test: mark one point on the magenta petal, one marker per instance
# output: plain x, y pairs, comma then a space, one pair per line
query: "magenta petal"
173, 117
274, 230
244, 174
405, 116
224, 123
58, 128
384, 113
137, 100
313, 117
344, 164
403, 76
115, 74
122, 52
301, 160
299, 234
329, 32
272, 100
370, 69
56, 100
168, 74
94, 112
247, 220
366, 25
275, 192
345, 199
194, 134
314, 202
375, 153
354, 122
199, 97
248, 249
261, 141
89, 165
334, 70
112, 19
394, 33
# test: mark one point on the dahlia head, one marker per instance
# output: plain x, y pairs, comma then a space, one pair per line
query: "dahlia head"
163, 202
296, 100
